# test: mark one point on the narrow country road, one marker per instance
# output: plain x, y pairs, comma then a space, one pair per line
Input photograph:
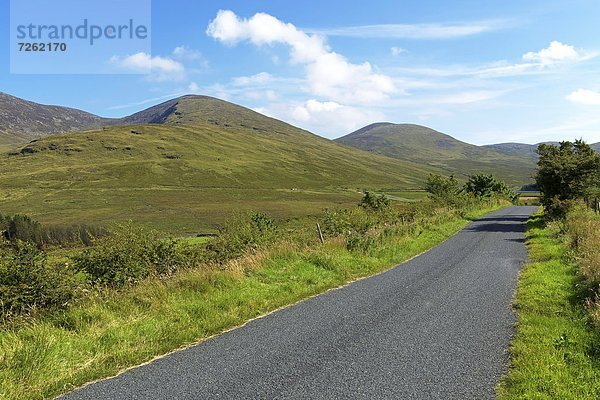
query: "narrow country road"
435, 327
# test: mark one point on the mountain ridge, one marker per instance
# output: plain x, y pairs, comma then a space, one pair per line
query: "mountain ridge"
423, 145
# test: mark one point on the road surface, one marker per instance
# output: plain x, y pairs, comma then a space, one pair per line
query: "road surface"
435, 327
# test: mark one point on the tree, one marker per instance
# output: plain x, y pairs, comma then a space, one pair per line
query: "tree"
374, 202
566, 173
483, 186
445, 190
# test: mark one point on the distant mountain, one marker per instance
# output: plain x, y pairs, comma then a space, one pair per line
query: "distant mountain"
525, 150
22, 120
423, 145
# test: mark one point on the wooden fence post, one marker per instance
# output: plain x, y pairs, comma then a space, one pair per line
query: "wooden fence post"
320, 233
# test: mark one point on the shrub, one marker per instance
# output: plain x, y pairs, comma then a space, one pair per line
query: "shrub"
486, 186
445, 191
128, 255
361, 242
243, 232
22, 227
374, 202
567, 172
28, 282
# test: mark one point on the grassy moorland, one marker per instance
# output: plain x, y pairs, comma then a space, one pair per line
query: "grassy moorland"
186, 179
110, 329
556, 351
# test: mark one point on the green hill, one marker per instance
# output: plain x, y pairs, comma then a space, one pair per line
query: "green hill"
426, 146
206, 160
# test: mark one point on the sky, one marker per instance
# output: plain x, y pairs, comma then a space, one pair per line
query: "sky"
481, 71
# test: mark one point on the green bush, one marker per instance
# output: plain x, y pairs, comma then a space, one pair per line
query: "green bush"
128, 255
361, 242
28, 282
242, 233
374, 202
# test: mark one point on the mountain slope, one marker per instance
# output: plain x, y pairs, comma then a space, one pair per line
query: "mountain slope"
22, 120
525, 150
423, 145
189, 177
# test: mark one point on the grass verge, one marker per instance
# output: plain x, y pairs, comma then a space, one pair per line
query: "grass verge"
106, 334
556, 351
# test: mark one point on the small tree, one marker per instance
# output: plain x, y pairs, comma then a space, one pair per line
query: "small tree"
444, 190
566, 173
485, 186
374, 202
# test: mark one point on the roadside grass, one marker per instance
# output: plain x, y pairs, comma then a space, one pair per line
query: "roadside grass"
114, 330
556, 352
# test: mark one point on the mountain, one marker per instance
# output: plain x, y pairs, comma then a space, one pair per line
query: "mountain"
525, 150
426, 146
206, 159
22, 120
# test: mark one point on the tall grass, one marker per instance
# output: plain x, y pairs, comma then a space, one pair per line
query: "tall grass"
582, 227
556, 350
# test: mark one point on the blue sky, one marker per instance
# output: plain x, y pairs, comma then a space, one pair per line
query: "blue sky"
481, 71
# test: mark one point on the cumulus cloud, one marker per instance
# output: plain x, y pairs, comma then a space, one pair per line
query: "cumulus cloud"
557, 52
328, 74
158, 68
329, 118
584, 96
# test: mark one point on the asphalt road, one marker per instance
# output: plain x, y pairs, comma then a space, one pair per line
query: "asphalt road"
436, 327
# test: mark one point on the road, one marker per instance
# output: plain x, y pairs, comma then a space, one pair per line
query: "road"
435, 327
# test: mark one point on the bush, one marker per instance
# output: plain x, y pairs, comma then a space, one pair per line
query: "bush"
486, 186
345, 222
374, 202
128, 255
28, 282
361, 242
24, 228
242, 233
445, 191
21, 227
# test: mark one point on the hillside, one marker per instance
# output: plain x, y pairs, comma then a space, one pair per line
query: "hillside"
22, 120
524, 150
186, 178
423, 145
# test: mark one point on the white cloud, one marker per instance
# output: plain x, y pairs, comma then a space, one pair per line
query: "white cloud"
584, 96
258, 79
193, 88
185, 53
158, 68
328, 74
328, 118
415, 31
396, 51
557, 52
